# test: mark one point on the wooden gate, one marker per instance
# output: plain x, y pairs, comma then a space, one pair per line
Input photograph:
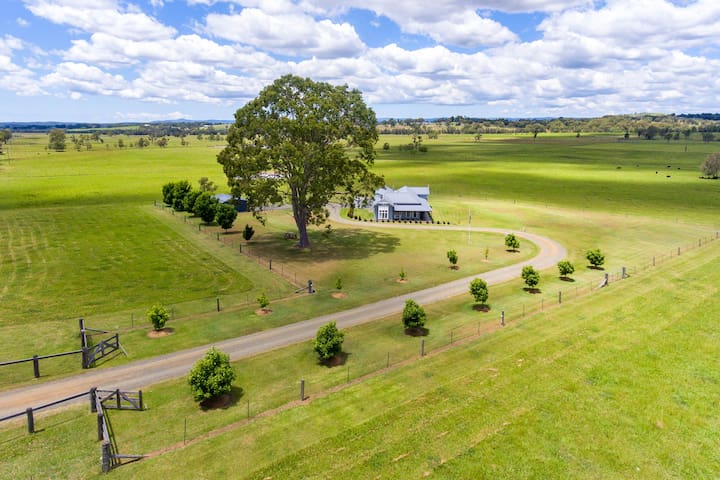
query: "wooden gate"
102, 349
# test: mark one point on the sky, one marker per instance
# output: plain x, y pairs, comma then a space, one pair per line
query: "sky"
146, 60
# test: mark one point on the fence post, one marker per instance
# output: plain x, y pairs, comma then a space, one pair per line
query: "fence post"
302, 390
106, 457
30, 420
653, 260
117, 397
100, 421
678, 252
85, 359
271, 264
218, 304
422, 347
36, 366
142, 406
93, 397
502, 318
83, 337
560, 297
624, 272
607, 279
387, 365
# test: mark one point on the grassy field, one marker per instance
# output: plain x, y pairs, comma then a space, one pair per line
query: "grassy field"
80, 237
601, 386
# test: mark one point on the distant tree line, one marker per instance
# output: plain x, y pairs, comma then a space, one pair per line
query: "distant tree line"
643, 126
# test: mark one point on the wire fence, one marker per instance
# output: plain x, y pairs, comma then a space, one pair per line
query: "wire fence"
358, 363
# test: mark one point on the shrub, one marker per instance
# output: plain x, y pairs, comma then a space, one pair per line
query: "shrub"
512, 242
479, 290
452, 257
595, 257
565, 268
263, 300
248, 232
328, 342
211, 376
531, 276
158, 316
413, 315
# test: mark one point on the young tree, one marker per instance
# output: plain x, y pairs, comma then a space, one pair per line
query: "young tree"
531, 276
263, 300
207, 185
248, 232
328, 342
452, 257
189, 201
205, 207
225, 215
479, 290
211, 376
711, 166
290, 145
565, 268
168, 193
57, 139
413, 315
595, 257
338, 284
158, 316
512, 242
180, 190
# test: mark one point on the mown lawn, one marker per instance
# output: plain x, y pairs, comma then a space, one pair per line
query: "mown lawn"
615, 384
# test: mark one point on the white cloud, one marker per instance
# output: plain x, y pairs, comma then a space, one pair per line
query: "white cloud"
22, 22
641, 23
84, 79
289, 34
149, 117
100, 16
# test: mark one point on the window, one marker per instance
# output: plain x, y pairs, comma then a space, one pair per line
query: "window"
383, 212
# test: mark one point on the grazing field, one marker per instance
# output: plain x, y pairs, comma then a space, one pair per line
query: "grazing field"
600, 386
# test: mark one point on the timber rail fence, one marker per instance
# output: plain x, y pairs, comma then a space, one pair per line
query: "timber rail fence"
89, 353
358, 368
100, 401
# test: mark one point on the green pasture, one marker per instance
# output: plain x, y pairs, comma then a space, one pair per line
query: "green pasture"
80, 236
612, 384
588, 173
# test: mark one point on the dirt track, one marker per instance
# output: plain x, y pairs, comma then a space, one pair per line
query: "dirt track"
146, 372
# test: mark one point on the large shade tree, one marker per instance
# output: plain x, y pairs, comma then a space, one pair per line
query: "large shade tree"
304, 143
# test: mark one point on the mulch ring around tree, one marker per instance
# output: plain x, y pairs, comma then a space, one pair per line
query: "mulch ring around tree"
263, 311
223, 401
401, 280
339, 295
417, 331
335, 361
163, 332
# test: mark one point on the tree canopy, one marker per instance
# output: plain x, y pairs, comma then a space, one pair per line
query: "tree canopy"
328, 342
479, 290
413, 315
211, 376
304, 143
711, 166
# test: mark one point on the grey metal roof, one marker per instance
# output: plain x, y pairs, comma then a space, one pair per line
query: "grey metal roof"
405, 199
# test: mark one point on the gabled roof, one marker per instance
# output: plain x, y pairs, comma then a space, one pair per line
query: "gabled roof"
405, 199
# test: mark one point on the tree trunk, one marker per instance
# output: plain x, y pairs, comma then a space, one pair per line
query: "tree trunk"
300, 216
304, 241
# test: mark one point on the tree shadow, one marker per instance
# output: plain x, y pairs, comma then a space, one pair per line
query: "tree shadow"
512, 250
417, 331
595, 267
342, 244
533, 290
223, 401
481, 307
336, 361
567, 279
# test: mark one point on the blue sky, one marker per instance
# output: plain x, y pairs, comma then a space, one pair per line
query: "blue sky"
118, 60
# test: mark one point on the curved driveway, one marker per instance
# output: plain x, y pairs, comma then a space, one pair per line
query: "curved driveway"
142, 373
